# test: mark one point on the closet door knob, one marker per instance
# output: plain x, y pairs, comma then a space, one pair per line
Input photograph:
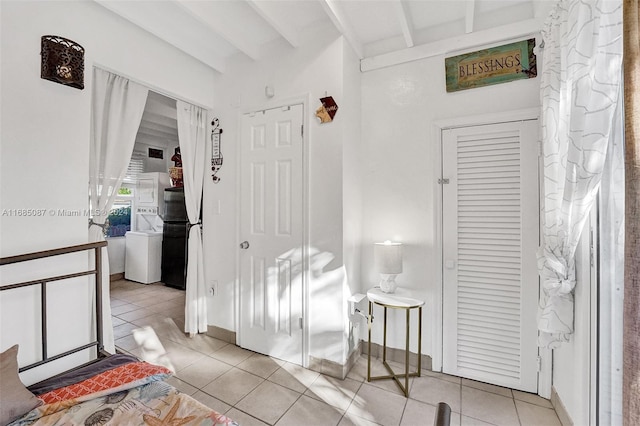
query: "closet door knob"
244, 245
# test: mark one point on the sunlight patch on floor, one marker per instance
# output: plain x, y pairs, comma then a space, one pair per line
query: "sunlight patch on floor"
151, 349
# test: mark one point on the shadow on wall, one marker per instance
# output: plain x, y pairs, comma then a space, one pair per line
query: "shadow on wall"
327, 300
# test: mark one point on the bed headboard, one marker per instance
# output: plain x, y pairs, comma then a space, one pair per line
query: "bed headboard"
96, 250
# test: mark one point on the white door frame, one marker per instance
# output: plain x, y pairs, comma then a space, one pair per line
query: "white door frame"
545, 374
305, 101
593, 228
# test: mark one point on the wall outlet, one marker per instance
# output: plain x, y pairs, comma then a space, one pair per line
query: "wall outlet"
354, 301
213, 290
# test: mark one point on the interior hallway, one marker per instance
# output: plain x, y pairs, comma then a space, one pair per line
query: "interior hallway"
254, 389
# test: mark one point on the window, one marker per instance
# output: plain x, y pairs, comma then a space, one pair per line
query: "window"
120, 219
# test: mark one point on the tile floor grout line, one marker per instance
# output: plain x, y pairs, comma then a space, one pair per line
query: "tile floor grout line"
461, 413
201, 350
287, 410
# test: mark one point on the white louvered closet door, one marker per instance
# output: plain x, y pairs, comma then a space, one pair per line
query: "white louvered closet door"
490, 236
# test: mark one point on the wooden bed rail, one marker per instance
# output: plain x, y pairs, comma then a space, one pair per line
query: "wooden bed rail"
97, 271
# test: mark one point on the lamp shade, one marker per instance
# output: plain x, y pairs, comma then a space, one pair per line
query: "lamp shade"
388, 257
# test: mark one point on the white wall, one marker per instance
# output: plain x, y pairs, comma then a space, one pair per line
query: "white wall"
382, 185
116, 249
350, 113
45, 127
315, 70
399, 107
572, 360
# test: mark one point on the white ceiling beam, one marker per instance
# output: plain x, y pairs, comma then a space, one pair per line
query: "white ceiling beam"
155, 141
217, 23
164, 122
266, 12
332, 9
157, 109
470, 15
404, 16
151, 130
485, 38
122, 8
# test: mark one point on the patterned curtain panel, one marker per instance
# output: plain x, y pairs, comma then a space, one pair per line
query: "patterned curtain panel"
631, 337
580, 89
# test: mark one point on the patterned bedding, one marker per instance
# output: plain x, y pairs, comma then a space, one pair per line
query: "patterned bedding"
130, 394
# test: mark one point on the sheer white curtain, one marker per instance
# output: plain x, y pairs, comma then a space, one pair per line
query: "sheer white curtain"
117, 107
580, 89
192, 128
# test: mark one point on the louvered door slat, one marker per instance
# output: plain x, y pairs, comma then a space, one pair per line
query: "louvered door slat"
489, 355
475, 276
498, 346
482, 294
488, 322
496, 255
490, 205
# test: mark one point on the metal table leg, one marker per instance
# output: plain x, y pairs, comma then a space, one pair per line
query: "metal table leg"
369, 321
403, 385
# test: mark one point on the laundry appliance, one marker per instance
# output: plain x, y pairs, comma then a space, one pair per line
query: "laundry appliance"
143, 256
143, 245
149, 201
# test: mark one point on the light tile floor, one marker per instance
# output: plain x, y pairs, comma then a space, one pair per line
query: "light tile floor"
254, 389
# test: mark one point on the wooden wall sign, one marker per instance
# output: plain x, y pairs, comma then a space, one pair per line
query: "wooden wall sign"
327, 110
514, 61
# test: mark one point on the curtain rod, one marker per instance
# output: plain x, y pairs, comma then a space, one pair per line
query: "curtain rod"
151, 87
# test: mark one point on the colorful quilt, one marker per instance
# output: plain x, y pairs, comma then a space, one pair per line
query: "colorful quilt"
131, 394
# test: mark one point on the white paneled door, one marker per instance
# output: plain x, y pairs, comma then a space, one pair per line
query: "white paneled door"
490, 237
271, 270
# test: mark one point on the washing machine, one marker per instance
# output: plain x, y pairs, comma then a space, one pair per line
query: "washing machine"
143, 256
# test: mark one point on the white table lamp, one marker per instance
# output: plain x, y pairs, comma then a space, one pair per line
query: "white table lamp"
388, 260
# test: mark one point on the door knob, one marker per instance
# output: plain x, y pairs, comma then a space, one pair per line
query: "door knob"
244, 245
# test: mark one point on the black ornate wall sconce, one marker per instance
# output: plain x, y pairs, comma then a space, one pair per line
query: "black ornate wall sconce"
62, 61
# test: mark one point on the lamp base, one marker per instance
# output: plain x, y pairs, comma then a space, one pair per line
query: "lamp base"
388, 283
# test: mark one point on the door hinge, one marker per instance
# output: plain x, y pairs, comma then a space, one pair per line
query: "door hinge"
302, 130
539, 364
540, 148
443, 181
301, 322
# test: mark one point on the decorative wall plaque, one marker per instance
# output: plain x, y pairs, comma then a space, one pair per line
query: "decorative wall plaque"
156, 153
216, 150
327, 110
514, 61
62, 61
